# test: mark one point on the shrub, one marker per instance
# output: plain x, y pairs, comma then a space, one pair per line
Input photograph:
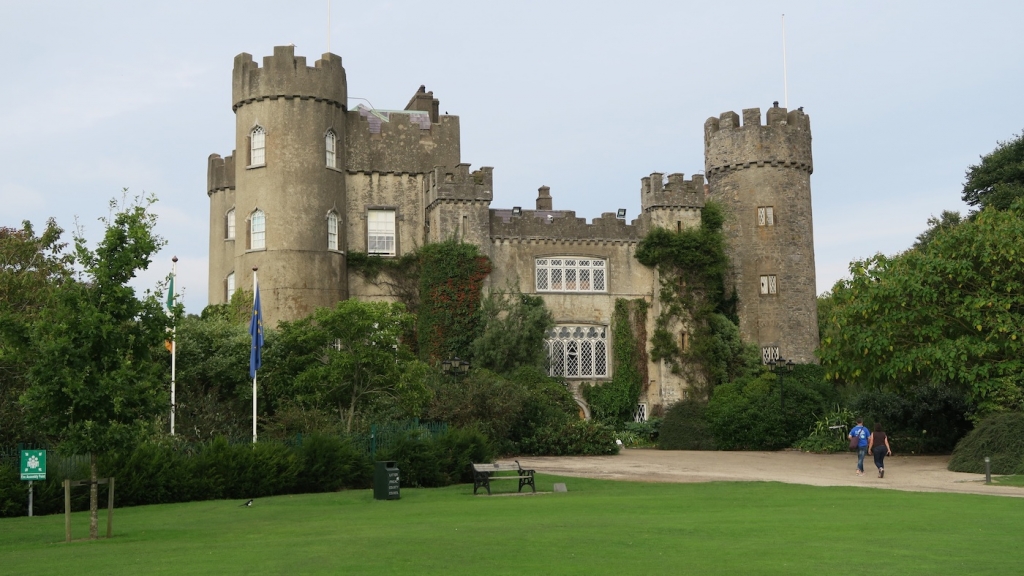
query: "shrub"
153, 473
747, 414
685, 427
829, 433
425, 461
330, 463
576, 437
924, 419
13, 492
1001, 438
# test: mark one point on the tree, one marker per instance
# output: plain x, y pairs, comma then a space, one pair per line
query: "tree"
947, 219
97, 385
951, 312
344, 355
31, 268
998, 180
515, 325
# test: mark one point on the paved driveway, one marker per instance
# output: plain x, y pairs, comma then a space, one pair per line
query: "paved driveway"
912, 473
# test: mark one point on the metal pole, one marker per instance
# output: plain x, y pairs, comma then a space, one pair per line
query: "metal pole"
174, 350
30, 494
988, 471
254, 288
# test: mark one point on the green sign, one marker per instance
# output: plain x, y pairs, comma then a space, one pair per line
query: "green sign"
33, 464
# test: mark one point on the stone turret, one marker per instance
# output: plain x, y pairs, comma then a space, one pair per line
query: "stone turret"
290, 134
673, 203
761, 174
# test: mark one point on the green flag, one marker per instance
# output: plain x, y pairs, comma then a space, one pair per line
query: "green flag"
170, 291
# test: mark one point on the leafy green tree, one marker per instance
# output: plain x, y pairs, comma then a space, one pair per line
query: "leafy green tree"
345, 355
97, 385
998, 180
949, 313
513, 334
31, 268
947, 219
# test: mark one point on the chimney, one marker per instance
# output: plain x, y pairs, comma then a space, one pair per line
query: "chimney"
544, 198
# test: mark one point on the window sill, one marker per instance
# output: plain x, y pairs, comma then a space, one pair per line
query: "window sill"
594, 292
229, 239
332, 169
333, 251
264, 249
254, 166
382, 255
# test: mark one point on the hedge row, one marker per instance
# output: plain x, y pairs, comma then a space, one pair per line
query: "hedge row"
166, 472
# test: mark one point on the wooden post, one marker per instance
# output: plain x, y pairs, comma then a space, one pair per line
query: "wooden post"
110, 507
67, 510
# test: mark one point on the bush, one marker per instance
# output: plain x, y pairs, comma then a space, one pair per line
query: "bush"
830, 433
330, 463
639, 434
576, 437
13, 492
685, 427
923, 419
428, 462
747, 414
1001, 438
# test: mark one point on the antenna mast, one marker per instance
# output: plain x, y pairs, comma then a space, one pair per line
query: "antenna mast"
328, 25
785, 80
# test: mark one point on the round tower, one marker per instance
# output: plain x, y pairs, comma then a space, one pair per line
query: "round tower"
289, 204
761, 175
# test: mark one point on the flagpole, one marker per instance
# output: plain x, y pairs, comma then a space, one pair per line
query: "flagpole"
174, 343
785, 80
254, 289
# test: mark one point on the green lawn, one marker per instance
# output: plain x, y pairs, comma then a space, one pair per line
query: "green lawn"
599, 527
1012, 480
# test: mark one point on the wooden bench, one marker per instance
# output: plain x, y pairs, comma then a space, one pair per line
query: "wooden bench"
483, 474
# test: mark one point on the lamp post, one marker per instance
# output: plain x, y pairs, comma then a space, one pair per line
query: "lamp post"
455, 367
788, 365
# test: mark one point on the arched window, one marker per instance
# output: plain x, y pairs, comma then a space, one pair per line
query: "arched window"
229, 224
257, 146
332, 231
229, 286
331, 144
577, 351
257, 230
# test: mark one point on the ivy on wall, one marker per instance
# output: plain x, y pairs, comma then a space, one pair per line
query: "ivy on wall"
691, 267
451, 278
399, 276
615, 401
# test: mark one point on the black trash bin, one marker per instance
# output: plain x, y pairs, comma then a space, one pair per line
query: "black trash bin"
385, 481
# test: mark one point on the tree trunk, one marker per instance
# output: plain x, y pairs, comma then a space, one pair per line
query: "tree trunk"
93, 498
351, 414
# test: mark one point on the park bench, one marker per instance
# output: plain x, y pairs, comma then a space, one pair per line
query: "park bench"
483, 474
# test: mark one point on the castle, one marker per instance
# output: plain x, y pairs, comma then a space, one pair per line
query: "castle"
317, 179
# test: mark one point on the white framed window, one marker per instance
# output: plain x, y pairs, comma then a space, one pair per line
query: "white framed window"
257, 146
229, 286
577, 351
766, 216
380, 232
640, 415
229, 224
257, 230
769, 354
571, 274
332, 231
331, 144
768, 285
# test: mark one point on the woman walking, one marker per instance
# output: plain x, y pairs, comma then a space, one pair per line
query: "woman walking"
878, 445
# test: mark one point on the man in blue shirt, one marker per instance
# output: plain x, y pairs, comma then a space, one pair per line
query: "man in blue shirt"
861, 434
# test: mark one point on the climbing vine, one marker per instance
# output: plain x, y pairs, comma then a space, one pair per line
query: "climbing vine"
399, 276
451, 276
691, 267
615, 401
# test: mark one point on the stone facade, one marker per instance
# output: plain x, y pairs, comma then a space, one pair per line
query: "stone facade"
321, 178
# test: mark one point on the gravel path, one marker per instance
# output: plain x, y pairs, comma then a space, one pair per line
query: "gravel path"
911, 473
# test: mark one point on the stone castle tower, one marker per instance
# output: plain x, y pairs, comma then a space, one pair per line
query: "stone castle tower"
762, 175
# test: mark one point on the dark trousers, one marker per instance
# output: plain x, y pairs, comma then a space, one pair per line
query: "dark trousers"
879, 453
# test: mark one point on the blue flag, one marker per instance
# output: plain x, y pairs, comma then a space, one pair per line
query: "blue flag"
256, 331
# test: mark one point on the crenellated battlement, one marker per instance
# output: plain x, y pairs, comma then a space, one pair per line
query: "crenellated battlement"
675, 191
400, 141
783, 141
459, 183
285, 75
561, 225
220, 173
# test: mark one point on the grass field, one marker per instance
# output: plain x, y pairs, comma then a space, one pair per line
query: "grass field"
599, 527
1013, 480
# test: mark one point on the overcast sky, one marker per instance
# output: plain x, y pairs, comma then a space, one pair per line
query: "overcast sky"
585, 97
